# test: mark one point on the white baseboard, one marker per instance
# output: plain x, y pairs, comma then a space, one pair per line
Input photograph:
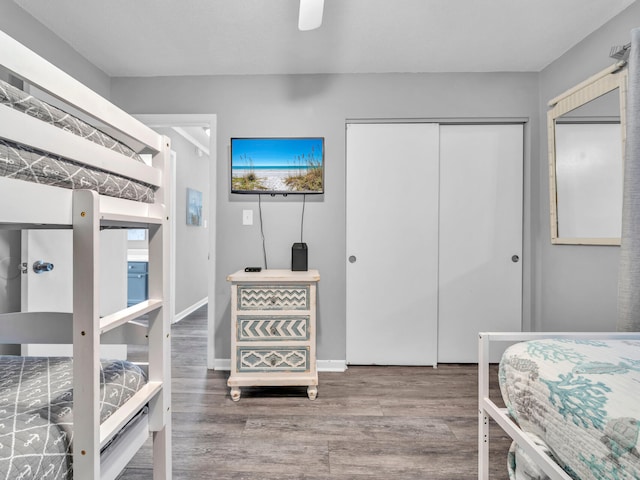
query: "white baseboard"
189, 310
331, 365
323, 365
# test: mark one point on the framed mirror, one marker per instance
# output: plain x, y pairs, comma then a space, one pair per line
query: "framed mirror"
586, 131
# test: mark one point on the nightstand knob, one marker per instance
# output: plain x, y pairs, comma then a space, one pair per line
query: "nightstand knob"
273, 362
273, 300
273, 330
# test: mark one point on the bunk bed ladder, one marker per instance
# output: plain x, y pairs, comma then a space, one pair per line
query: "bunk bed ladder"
160, 322
86, 339
89, 434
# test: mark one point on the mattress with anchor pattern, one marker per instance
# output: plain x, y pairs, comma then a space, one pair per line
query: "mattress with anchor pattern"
579, 401
36, 412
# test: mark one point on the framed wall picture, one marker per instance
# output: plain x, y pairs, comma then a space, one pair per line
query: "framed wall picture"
194, 207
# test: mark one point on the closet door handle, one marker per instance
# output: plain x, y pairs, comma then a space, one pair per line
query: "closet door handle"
515, 259
352, 259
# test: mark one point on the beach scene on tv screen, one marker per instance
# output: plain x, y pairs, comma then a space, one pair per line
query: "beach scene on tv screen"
277, 165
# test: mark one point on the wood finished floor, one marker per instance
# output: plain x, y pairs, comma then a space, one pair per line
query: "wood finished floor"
374, 423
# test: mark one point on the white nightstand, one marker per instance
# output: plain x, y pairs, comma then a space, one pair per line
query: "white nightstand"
273, 330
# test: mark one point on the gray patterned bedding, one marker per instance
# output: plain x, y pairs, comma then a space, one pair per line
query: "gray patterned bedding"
25, 163
36, 412
578, 400
17, 99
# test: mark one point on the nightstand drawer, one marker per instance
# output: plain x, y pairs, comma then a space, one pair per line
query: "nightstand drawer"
272, 328
293, 359
281, 297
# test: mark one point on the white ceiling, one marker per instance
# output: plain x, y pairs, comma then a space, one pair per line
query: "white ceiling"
214, 37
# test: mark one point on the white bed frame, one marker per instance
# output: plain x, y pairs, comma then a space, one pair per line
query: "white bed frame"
487, 408
30, 205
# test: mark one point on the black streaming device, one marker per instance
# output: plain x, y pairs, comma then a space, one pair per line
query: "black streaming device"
253, 269
299, 257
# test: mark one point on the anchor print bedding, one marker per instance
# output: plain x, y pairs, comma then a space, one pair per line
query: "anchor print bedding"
36, 412
25, 163
579, 400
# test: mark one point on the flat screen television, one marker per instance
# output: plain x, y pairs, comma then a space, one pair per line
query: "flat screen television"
277, 165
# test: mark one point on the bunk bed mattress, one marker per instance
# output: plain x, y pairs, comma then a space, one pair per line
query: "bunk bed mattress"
25, 163
36, 412
578, 400
23, 102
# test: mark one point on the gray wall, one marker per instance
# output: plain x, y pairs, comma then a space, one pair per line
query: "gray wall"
18, 24
319, 105
192, 242
577, 285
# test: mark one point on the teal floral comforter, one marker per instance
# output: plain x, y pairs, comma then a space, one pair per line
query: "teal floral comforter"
579, 400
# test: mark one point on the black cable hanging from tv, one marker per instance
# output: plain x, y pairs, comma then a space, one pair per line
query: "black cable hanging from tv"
304, 201
264, 248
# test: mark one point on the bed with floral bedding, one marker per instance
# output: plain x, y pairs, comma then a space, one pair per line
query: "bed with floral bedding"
577, 399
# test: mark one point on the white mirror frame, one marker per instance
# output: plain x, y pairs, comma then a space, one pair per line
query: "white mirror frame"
608, 80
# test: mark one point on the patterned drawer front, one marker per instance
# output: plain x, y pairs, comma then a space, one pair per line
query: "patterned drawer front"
272, 328
281, 297
294, 359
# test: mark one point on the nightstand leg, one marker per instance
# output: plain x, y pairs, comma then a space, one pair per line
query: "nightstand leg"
235, 394
312, 392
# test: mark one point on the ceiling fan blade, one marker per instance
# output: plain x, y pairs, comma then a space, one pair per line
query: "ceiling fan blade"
310, 14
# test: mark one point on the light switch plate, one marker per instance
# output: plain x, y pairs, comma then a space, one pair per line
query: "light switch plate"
247, 217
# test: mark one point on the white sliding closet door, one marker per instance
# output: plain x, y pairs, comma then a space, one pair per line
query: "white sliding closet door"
480, 281
392, 243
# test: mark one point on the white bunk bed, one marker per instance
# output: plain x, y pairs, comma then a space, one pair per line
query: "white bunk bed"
571, 404
100, 449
